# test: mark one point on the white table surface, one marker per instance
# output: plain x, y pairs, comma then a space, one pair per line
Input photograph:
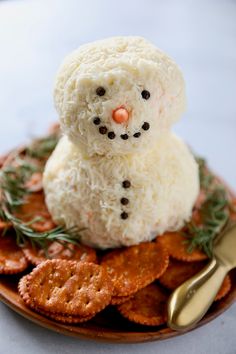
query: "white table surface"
200, 36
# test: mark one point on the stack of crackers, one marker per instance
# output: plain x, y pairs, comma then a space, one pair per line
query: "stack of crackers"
75, 283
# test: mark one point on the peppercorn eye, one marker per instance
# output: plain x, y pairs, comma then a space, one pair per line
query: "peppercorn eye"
100, 91
145, 94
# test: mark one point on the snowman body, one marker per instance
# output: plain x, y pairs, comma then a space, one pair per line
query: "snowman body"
121, 177
121, 200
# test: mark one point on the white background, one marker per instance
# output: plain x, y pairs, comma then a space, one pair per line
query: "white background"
199, 35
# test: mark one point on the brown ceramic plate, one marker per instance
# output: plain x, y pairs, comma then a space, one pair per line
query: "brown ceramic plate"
108, 325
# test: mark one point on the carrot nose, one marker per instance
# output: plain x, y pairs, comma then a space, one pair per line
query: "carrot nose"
120, 115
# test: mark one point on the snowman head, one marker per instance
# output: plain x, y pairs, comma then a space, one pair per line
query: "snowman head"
118, 96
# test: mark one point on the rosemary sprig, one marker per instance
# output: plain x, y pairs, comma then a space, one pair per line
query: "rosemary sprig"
205, 176
214, 212
13, 180
42, 148
25, 233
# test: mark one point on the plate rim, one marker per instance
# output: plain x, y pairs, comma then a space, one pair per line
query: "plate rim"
102, 335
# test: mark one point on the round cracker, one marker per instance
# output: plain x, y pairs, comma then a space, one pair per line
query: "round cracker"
12, 259
178, 272
4, 225
135, 267
118, 300
70, 287
35, 183
177, 247
58, 250
147, 307
225, 288
65, 319
110, 254
23, 291
35, 207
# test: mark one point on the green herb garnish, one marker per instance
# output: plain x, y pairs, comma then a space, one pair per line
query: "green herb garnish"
25, 233
206, 178
42, 148
215, 215
13, 180
214, 212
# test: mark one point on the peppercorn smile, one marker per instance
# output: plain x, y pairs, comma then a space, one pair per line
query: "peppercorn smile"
111, 135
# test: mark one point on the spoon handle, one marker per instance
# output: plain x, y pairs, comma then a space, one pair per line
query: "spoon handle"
191, 300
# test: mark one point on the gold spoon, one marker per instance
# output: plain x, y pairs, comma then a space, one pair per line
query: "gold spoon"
191, 300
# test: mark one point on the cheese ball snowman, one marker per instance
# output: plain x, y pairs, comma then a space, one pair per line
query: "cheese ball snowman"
118, 172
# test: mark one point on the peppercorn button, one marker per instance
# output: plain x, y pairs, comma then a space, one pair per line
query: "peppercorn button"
97, 121
124, 215
100, 91
103, 130
145, 126
124, 136
145, 94
137, 135
124, 201
126, 184
111, 135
